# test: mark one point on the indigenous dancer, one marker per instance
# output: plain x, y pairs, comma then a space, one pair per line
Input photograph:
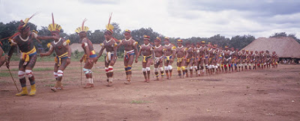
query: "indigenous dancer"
262, 59
238, 61
189, 59
197, 59
203, 59
110, 45
219, 59
211, 58
169, 53
180, 55
257, 59
130, 48
63, 53
146, 49
251, 60
158, 55
233, 59
89, 57
268, 58
194, 66
24, 40
216, 58
227, 59
206, 52
247, 60
243, 59
274, 59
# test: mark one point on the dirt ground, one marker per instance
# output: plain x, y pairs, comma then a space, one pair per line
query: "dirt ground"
260, 95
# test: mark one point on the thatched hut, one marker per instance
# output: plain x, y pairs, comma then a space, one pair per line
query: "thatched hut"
286, 48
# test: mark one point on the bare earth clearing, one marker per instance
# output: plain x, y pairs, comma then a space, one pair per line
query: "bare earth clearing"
260, 95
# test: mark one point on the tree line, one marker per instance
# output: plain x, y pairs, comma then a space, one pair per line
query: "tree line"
97, 36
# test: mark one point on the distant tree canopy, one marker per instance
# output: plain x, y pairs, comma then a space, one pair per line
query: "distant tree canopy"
97, 36
283, 34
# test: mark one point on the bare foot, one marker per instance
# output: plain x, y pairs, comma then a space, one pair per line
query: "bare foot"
60, 88
88, 85
53, 89
109, 84
127, 82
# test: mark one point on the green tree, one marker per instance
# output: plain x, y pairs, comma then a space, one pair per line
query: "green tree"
240, 42
281, 34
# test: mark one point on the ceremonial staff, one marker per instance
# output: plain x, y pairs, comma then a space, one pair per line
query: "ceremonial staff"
13, 79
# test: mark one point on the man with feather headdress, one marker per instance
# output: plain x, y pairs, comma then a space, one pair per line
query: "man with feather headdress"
89, 57
24, 40
63, 53
110, 45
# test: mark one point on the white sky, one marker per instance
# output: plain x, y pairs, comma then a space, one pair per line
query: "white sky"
172, 18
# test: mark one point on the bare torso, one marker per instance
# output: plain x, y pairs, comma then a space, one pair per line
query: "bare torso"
88, 43
59, 47
202, 52
158, 51
128, 44
24, 44
190, 52
146, 49
109, 45
180, 52
168, 49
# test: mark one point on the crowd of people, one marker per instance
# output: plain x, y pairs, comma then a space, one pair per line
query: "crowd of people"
192, 59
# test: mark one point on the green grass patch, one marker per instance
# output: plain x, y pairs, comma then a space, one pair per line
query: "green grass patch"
4, 74
139, 102
45, 58
74, 68
14, 69
52, 85
35, 69
42, 69
49, 85
71, 79
4, 82
74, 57
43, 81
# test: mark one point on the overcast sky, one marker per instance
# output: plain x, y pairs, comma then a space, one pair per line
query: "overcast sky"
172, 18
